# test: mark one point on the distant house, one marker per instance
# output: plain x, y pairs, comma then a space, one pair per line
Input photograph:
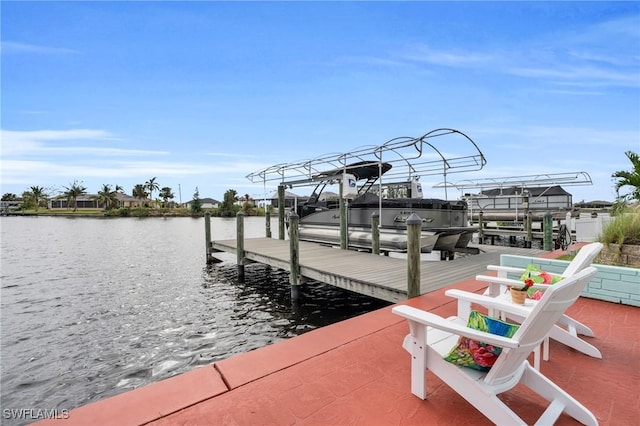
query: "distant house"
540, 198
89, 201
291, 200
207, 203
7, 206
328, 195
597, 204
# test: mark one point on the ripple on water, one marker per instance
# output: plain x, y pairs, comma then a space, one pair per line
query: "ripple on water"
97, 318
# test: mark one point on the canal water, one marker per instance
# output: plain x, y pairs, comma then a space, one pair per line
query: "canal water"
90, 308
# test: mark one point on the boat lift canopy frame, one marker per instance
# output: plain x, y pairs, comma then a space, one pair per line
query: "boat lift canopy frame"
407, 155
524, 182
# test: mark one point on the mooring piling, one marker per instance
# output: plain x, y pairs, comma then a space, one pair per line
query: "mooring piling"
375, 232
414, 226
294, 256
207, 237
240, 245
547, 226
267, 215
281, 212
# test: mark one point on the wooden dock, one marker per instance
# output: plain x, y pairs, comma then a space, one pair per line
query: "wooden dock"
381, 277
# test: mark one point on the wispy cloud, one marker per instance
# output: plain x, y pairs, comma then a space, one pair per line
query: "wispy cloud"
59, 156
604, 54
64, 142
450, 58
11, 47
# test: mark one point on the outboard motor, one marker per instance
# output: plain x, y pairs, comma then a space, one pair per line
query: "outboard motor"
416, 189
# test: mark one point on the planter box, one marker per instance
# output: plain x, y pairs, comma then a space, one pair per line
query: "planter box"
625, 255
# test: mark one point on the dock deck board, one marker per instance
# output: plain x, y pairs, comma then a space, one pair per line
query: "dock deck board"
382, 277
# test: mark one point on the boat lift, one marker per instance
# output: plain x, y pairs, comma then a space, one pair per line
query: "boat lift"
402, 160
410, 158
525, 182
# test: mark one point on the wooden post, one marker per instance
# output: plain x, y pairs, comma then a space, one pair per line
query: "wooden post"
481, 227
548, 231
375, 233
294, 256
267, 215
281, 212
207, 237
240, 245
529, 237
344, 244
414, 227
527, 220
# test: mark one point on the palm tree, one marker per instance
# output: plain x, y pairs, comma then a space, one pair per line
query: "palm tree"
72, 193
166, 195
140, 192
152, 185
107, 197
631, 178
229, 200
38, 194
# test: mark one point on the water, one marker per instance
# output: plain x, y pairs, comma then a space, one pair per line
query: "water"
91, 308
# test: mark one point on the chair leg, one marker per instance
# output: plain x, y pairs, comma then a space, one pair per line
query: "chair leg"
563, 336
560, 401
575, 327
545, 349
416, 344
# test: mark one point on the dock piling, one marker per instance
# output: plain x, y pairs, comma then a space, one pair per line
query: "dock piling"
547, 225
207, 237
267, 215
281, 212
344, 223
294, 257
414, 226
375, 233
240, 245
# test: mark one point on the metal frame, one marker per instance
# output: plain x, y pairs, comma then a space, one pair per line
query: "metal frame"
407, 155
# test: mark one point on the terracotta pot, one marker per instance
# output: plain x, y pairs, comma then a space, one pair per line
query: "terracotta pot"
518, 296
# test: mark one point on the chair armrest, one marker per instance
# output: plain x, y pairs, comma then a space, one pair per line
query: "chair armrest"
495, 283
489, 302
498, 280
508, 269
432, 320
508, 282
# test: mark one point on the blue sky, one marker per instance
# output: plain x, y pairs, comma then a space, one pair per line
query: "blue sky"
200, 94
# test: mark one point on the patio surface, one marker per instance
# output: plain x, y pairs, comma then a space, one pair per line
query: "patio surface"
356, 373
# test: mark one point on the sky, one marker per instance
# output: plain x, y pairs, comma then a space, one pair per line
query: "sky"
200, 94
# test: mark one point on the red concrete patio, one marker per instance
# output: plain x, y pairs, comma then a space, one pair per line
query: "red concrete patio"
356, 373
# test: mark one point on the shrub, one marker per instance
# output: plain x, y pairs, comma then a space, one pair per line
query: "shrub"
624, 228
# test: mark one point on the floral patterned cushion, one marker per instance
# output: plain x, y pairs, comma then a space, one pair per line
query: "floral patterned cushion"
478, 355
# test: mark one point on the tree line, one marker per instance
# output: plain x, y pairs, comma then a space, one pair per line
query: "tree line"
37, 197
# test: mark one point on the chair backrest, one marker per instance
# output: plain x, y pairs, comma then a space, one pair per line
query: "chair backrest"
583, 259
537, 325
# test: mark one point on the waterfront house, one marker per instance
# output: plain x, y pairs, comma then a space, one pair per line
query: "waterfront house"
206, 203
90, 201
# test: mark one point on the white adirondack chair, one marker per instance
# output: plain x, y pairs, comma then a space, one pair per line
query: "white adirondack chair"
567, 329
431, 337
